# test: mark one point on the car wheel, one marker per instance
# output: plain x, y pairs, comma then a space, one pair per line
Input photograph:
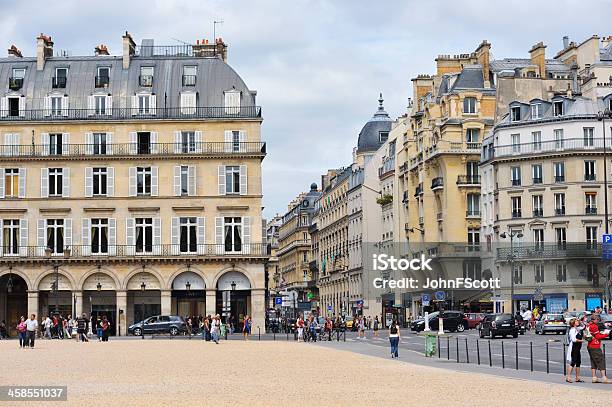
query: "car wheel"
137, 332
174, 331
460, 328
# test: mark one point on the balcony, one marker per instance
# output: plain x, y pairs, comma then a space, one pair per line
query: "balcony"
589, 177
538, 213
538, 148
559, 178
590, 210
403, 168
468, 180
102, 81
559, 211
131, 252
189, 80
551, 250
472, 213
437, 183
145, 80
132, 149
418, 190
15, 83
59, 82
537, 180
439, 216
516, 214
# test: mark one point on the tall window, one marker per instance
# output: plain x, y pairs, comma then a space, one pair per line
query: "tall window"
188, 235
536, 139
473, 239
143, 180
473, 205
143, 140
232, 179
55, 235
232, 230
593, 274
184, 180
558, 108
56, 105
100, 177
588, 137
55, 181
144, 104
11, 182
536, 111
99, 143
99, 236
188, 142
516, 207
537, 202
471, 135
10, 236
536, 172
100, 104
235, 140
515, 173
516, 143
189, 75
538, 270
471, 169
561, 237
589, 170
561, 273
515, 114
559, 141
591, 203
103, 77
55, 144
591, 236
560, 204
469, 105
538, 238
559, 168
146, 76
518, 274
144, 235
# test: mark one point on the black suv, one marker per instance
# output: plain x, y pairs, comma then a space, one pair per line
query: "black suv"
452, 321
159, 324
494, 325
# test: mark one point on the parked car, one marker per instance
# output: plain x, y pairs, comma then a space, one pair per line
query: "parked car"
568, 315
451, 320
348, 324
605, 323
551, 323
474, 318
159, 324
494, 325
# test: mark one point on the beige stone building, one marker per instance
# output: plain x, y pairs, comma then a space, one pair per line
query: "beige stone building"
131, 185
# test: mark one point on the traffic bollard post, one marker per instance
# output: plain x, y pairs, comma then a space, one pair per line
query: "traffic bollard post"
547, 362
503, 357
490, 361
438, 347
478, 350
516, 354
447, 348
457, 350
467, 352
564, 364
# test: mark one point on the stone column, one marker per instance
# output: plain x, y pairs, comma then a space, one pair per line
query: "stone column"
211, 302
32, 304
166, 302
78, 310
121, 301
258, 309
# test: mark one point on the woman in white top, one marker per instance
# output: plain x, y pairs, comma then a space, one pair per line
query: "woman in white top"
574, 340
394, 338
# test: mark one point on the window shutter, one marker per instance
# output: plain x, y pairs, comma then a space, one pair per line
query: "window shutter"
89, 143
66, 182
23, 237
242, 139
110, 181
191, 176
130, 240
177, 142
228, 141
109, 143
154, 146
68, 232
2, 182
133, 140
3, 106
64, 105
44, 140
86, 236
47, 106
112, 236
132, 181
88, 182
44, 182
134, 105
177, 180
198, 142
153, 103
65, 143
1, 237
154, 182
175, 236
91, 105
109, 105
41, 237
22, 106
246, 234
157, 235
222, 180
201, 235
219, 236
22, 182
243, 180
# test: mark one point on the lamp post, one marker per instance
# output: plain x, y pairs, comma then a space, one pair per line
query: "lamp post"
511, 235
601, 116
143, 287
56, 289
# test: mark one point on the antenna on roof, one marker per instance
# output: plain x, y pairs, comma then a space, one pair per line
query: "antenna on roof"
215, 30
181, 41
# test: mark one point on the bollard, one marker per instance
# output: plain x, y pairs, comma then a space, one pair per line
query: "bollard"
547, 363
338, 335
274, 335
447, 348
287, 334
516, 354
564, 364
457, 347
344, 336
490, 361
531, 355
259, 332
438, 347
604, 355
478, 351
503, 357
467, 352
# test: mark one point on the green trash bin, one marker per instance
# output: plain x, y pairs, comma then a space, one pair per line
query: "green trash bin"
430, 345
223, 330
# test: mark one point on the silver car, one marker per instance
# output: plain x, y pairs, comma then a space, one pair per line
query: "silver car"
551, 323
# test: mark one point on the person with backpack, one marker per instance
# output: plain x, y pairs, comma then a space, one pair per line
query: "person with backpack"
594, 337
394, 338
574, 342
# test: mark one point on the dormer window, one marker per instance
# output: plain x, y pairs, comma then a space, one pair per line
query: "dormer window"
146, 76
558, 108
16, 80
59, 80
189, 75
469, 105
383, 136
515, 114
102, 77
232, 101
536, 111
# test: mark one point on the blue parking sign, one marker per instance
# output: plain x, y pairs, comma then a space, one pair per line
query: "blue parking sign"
278, 300
606, 252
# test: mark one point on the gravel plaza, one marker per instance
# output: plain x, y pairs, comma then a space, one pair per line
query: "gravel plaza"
172, 372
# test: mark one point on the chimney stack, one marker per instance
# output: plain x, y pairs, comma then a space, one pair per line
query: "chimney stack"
44, 50
565, 42
101, 50
129, 49
483, 57
538, 57
13, 51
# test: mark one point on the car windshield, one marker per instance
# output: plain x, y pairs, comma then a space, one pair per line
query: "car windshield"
554, 317
503, 317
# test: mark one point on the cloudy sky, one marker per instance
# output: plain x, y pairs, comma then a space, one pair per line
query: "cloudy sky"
317, 65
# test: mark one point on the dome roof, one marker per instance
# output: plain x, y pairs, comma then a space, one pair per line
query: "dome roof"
370, 137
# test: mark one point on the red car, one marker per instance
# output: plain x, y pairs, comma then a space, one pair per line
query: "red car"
474, 319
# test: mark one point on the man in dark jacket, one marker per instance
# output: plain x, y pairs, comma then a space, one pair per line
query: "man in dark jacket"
82, 322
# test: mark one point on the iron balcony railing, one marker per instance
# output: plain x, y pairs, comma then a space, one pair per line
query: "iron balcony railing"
468, 180
538, 213
550, 250
516, 214
126, 113
418, 190
537, 180
189, 80
58, 82
437, 182
470, 213
590, 210
571, 144
559, 178
145, 80
130, 149
560, 211
132, 251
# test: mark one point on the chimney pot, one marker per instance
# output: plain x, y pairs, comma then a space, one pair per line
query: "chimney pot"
13, 51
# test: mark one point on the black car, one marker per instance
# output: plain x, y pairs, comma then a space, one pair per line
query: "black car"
159, 324
494, 325
451, 320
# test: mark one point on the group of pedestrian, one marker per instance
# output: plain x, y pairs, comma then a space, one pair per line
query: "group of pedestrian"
26, 329
587, 330
211, 328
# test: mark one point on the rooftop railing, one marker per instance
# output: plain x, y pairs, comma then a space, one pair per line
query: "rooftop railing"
550, 250
572, 144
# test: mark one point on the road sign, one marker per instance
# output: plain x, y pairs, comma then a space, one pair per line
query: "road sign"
440, 295
425, 298
329, 307
606, 252
278, 300
537, 294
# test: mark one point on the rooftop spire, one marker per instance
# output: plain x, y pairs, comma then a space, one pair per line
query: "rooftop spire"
380, 113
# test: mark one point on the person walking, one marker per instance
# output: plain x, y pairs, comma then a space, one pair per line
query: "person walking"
300, 328
22, 332
361, 327
574, 341
246, 329
69, 325
394, 338
82, 328
215, 327
47, 327
105, 326
376, 326
206, 328
312, 328
31, 328
598, 362
99, 329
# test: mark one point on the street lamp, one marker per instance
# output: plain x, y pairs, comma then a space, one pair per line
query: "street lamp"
511, 235
601, 116
56, 288
143, 287
188, 286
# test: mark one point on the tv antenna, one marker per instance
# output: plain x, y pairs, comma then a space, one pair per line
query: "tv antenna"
215, 30
181, 41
